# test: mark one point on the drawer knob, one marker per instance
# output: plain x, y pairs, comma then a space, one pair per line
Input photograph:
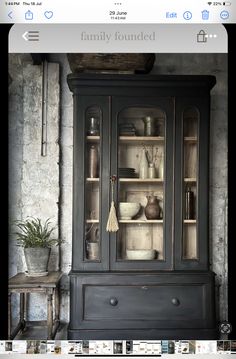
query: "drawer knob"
175, 301
113, 301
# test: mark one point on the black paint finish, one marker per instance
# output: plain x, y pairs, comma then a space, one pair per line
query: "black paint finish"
146, 301
115, 299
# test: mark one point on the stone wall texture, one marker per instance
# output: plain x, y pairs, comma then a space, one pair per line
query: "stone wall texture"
42, 186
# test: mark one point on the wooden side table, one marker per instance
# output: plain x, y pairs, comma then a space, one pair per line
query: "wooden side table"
49, 285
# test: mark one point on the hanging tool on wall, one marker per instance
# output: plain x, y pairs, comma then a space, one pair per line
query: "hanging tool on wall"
112, 223
44, 109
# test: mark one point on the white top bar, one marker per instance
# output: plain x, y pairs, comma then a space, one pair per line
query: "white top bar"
118, 11
118, 38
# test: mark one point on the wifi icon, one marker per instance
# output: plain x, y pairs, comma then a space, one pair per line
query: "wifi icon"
209, 3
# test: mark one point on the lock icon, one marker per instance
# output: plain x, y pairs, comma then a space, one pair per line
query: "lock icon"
201, 36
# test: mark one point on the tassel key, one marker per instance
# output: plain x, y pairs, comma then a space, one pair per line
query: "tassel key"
112, 222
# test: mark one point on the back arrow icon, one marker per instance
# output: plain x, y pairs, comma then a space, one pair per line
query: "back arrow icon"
25, 36
10, 15
31, 35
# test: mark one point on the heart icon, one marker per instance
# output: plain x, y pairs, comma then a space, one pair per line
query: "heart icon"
48, 14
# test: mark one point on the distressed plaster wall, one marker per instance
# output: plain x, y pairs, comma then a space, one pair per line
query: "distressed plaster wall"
209, 64
33, 179
165, 64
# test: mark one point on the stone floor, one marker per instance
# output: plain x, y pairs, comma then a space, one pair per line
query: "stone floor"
40, 333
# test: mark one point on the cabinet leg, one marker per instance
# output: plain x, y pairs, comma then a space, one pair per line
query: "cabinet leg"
50, 315
9, 315
56, 321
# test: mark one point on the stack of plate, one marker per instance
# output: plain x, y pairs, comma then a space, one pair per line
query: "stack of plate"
127, 129
127, 172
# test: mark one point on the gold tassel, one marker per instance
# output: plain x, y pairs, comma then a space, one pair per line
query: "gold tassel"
112, 222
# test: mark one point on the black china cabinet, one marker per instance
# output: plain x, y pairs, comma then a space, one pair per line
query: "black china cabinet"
150, 279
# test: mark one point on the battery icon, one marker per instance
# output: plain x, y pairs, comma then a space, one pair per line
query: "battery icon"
227, 3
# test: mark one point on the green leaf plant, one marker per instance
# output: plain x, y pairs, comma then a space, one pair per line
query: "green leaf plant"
32, 232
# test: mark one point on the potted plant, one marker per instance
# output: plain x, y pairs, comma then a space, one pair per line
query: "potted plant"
36, 239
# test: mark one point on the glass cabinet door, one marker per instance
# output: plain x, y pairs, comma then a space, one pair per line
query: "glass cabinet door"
91, 183
93, 121
191, 186
141, 241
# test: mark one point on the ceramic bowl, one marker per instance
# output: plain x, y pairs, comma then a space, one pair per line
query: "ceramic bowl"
141, 254
128, 209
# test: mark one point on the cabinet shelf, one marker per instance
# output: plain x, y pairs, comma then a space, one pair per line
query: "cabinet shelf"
141, 180
190, 221
138, 140
93, 138
190, 139
188, 179
138, 221
138, 180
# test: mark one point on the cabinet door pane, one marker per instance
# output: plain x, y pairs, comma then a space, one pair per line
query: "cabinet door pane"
93, 119
141, 175
190, 177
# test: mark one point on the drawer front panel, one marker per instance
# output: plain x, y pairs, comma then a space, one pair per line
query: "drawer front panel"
157, 302
165, 301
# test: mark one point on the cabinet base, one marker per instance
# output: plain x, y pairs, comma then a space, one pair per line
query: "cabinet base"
177, 305
149, 334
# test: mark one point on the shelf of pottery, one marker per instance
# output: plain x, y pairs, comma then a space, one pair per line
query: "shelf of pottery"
141, 184
141, 158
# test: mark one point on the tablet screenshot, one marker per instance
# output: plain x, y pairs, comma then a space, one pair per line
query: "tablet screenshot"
118, 123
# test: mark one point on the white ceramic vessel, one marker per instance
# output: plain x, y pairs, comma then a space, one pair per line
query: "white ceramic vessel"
141, 254
128, 210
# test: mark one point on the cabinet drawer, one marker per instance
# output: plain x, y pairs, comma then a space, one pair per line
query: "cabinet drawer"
110, 301
156, 302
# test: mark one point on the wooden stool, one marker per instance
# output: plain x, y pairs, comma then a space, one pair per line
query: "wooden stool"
49, 285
